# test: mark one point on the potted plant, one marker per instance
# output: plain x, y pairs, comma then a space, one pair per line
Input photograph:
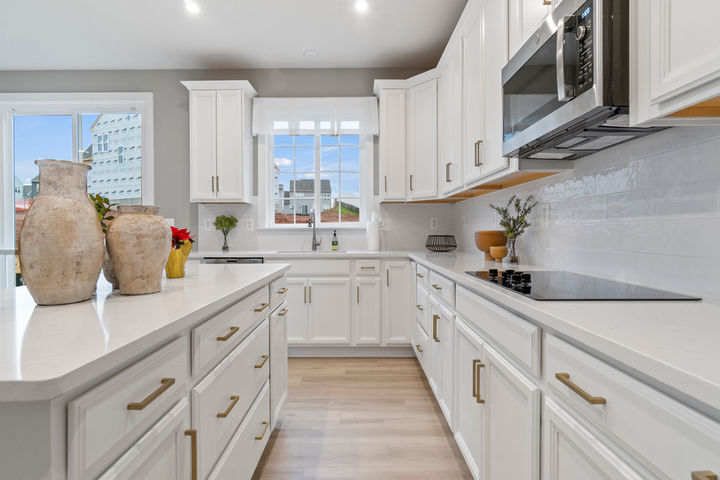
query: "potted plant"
225, 223
104, 207
516, 222
181, 243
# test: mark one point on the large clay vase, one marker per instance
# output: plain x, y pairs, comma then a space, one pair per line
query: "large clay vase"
138, 241
61, 241
484, 239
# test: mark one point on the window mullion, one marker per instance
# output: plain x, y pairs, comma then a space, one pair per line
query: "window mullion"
75, 138
318, 180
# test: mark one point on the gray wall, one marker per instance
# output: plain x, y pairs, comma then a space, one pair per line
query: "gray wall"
171, 107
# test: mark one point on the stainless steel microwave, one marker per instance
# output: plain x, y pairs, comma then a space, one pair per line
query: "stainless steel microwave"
565, 92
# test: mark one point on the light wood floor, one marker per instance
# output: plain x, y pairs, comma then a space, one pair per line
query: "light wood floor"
361, 418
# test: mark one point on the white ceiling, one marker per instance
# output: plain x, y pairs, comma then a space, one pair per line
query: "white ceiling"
161, 34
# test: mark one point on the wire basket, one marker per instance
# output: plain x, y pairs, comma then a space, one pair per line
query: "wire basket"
441, 243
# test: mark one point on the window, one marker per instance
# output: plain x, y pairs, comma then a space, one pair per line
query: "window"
120, 155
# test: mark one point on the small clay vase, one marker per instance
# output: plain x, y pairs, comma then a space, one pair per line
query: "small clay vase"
108, 270
498, 253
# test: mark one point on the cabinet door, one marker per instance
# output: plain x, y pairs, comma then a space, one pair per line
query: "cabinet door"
513, 420
160, 453
422, 133
202, 145
571, 452
297, 325
396, 300
473, 107
450, 107
329, 301
366, 311
525, 18
469, 405
278, 361
391, 146
229, 179
441, 353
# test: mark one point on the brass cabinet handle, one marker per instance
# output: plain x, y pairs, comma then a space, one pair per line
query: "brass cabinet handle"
547, 3
419, 348
283, 291
411, 185
367, 268
233, 331
385, 183
704, 475
193, 446
420, 275
477, 365
212, 183
447, 172
565, 380
478, 163
282, 312
435, 319
436, 286
233, 400
165, 384
420, 307
387, 275
262, 434
217, 183
263, 306
264, 359
358, 294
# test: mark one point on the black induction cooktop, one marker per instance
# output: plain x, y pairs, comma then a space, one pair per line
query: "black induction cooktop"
558, 286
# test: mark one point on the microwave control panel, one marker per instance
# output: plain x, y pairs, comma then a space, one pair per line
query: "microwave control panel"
584, 36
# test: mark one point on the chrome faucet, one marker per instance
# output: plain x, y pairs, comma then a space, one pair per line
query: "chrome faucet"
311, 223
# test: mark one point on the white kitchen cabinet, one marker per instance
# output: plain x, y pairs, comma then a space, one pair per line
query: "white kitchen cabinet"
674, 62
328, 300
397, 296
220, 141
525, 16
422, 137
450, 118
298, 323
278, 361
442, 359
391, 144
366, 311
473, 151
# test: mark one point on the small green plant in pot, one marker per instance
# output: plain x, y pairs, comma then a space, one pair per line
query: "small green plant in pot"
515, 222
225, 223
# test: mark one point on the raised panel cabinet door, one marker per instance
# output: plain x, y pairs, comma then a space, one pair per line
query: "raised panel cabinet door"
571, 452
366, 312
397, 296
278, 361
450, 111
513, 419
391, 145
329, 317
442, 337
422, 137
525, 16
229, 180
203, 146
469, 401
297, 303
473, 106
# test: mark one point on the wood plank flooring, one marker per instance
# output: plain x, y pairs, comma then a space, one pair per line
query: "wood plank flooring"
361, 418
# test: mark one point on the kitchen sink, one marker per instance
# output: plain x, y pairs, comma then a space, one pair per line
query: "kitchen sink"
310, 251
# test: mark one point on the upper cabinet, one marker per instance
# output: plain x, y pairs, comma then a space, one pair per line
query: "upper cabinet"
391, 148
525, 17
221, 146
422, 139
450, 119
473, 141
674, 62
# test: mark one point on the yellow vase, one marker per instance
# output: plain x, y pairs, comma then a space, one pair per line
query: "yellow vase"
185, 248
175, 266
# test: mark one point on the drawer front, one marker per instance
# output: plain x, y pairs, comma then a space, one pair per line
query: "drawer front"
422, 308
278, 292
316, 267
515, 336
113, 415
673, 439
442, 288
423, 275
366, 267
220, 400
421, 346
246, 446
215, 338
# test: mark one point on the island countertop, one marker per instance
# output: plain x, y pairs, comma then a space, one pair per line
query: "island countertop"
46, 351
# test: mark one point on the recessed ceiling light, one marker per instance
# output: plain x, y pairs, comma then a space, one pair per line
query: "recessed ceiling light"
361, 6
310, 53
192, 7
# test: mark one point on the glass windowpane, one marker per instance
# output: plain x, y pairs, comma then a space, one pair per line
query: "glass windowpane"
329, 159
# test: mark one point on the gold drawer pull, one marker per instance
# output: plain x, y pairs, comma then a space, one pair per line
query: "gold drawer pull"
264, 359
419, 307
193, 446
166, 383
282, 312
420, 275
435, 319
283, 291
262, 434
436, 287
263, 306
367, 268
704, 475
419, 348
565, 380
233, 400
233, 331
477, 365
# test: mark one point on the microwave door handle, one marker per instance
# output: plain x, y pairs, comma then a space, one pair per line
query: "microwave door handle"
565, 92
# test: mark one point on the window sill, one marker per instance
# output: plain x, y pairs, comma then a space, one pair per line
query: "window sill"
319, 228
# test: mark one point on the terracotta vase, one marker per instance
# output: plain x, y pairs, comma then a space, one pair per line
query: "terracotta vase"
138, 241
61, 241
484, 239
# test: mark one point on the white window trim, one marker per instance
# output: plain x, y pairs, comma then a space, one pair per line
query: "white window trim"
266, 207
69, 104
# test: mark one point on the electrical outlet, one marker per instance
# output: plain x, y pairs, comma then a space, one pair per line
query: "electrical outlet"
433, 223
209, 227
386, 224
250, 224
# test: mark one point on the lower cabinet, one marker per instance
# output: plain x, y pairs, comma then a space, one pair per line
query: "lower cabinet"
321, 310
441, 354
278, 361
396, 298
366, 311
297, 325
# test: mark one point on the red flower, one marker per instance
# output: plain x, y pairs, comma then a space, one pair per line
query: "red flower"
179, 236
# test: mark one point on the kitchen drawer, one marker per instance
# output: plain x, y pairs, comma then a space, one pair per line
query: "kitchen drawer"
672, 439
422, 307
221, 399
241, 457
442, 288
366, 267
422, 346
278, 292
107, 419
316, 267
423, 275
515, 336
215, 338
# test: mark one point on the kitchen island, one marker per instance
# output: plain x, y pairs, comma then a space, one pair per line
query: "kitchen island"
106, 387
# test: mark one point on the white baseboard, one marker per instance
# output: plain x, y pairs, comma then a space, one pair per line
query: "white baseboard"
350, 351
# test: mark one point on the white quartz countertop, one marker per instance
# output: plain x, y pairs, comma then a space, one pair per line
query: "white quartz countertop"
48, 350
324, 254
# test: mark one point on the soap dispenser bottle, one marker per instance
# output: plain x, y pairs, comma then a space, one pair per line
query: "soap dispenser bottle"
334, 241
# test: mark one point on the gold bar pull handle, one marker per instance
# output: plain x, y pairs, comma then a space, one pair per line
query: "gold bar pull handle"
233, 331
547, 3
436, 286
565, 380
262, 434
420, 275
411, 185
435, 319
358, 293
419, 348
367, 268
283, 291
704, 475
212, 183
385, 183
282, 312
193, 447
217, 183
233, 400
165, 384
477, 365
478, 145
262, 307
447, 172
387, 276
262, 363
420, 307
